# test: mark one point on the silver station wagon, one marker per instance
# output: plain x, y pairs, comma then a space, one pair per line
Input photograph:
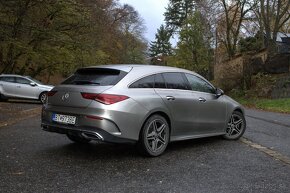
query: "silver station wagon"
143, 104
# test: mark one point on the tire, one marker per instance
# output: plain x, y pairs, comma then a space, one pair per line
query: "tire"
78, 139
3, 98
43, 97
154, 136
236, 126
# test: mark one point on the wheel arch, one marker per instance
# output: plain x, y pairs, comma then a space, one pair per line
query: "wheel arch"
41, 93
238, 109
161, 113
39, 96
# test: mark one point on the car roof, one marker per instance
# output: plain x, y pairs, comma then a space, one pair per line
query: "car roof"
15, 75
11, 75
153, 68
146, 70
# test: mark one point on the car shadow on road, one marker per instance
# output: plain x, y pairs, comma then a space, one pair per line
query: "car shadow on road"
106, 151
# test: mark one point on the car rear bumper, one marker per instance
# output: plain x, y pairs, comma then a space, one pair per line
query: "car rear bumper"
91, 133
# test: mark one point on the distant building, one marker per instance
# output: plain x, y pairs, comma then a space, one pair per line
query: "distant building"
283, 43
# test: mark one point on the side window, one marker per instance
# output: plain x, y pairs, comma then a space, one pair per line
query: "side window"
8, 79
159, 81
175, 80
22, 80
146, 82
197, 84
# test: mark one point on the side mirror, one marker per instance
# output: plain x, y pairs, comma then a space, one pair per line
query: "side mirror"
219, 92
33, 84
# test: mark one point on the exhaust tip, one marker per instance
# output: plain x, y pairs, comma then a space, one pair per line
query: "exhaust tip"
92, 135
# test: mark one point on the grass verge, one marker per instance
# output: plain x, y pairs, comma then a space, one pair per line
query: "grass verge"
276, 105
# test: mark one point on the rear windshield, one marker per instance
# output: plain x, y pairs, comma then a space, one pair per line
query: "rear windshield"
95, 76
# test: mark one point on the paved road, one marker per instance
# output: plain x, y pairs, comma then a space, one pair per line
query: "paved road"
271, 130
32, 160
16, 108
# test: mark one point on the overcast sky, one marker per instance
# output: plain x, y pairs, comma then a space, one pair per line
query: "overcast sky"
152, 12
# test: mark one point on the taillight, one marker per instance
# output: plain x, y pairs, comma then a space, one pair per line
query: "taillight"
51, 93
106, 99
90, 96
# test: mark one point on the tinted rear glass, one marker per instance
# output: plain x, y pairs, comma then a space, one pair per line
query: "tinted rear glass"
159, 81
147, 82
175, 80
95, 76
8, 79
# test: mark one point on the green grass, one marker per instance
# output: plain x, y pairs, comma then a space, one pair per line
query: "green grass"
277, 105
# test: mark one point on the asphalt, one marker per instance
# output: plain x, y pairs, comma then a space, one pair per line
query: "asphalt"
13, 109
271, 117
32, 160
269, 129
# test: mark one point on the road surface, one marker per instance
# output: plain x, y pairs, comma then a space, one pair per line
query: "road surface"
32, 160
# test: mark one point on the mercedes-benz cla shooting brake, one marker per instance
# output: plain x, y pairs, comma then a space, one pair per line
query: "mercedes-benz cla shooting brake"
147, 105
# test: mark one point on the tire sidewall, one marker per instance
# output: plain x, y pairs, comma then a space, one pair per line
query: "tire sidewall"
244, 127
40, 96
143, 138
3, 98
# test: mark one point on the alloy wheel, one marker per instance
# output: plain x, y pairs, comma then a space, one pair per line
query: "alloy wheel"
156, 135
236, 126
43, 97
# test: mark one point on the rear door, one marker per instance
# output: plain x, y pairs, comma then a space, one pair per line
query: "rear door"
8, 85
178, 99
210, 108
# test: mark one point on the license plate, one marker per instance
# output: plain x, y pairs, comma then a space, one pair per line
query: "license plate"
66, 119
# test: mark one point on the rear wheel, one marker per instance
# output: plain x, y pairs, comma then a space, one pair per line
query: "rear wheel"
236, 126
42, 97
154, 136
78, 138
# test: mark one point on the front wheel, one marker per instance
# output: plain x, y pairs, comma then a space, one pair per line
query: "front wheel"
154, 136
236, 126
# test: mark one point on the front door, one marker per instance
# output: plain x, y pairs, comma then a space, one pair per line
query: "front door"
24, 89
211, 109
177, 97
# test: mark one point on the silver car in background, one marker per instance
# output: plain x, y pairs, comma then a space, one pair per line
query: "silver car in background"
143, 104
22, 87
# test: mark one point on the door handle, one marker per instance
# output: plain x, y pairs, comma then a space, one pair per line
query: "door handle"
170, 98
18, 86
200, 99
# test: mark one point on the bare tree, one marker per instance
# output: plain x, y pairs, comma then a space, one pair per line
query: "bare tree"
233, 15
272, 15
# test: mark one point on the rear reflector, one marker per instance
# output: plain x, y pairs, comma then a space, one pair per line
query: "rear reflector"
51, 93
106, 99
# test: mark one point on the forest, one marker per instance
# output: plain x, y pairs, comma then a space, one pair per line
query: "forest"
212, 31
57, 36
